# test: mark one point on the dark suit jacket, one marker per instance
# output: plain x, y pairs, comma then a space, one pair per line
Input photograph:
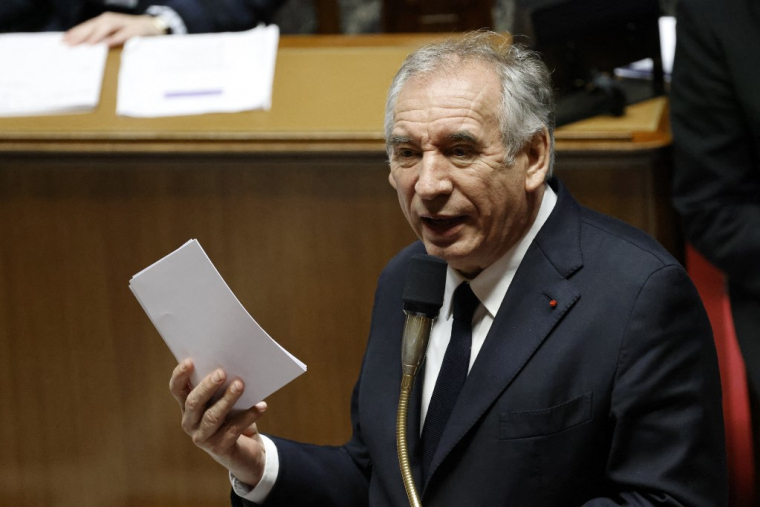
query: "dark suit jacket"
610, 398
716, 128
200, 16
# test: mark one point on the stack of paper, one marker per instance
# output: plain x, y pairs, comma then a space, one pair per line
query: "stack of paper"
195, 74
199, 317
42, 75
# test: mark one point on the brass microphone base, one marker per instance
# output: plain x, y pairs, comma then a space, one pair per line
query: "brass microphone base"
407, 381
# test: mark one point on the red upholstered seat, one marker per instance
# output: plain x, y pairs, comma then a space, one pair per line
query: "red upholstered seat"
711, 285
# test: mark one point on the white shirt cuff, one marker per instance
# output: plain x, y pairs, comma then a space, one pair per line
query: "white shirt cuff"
168, 16
260, 493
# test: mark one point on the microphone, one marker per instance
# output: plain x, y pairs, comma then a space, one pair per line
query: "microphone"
423, 298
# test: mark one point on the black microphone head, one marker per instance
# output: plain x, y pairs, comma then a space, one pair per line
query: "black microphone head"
425, 283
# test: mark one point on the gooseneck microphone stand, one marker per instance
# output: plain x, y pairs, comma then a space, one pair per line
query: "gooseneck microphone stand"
423, 298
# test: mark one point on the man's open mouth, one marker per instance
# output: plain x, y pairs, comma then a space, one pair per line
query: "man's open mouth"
442, 222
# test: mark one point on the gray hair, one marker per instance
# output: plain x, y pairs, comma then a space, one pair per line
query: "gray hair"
527, 98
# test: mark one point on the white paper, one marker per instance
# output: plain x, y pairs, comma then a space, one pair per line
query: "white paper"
42, 75
668, 42
199, 317
196, 74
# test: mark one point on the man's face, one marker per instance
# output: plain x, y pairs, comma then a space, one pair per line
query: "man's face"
447, 165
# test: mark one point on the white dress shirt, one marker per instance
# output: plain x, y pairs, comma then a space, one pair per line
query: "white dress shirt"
490, 286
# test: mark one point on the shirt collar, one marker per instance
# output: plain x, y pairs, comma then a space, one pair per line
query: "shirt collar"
491, 285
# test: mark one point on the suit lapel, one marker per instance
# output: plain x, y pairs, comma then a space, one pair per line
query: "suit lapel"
525, 319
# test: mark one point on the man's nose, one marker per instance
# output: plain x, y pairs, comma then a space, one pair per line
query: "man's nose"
434, 177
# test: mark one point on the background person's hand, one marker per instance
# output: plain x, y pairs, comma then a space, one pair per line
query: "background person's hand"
113, 28
231, 439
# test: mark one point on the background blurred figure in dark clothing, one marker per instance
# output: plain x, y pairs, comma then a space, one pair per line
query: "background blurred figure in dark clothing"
115, 21
716, 128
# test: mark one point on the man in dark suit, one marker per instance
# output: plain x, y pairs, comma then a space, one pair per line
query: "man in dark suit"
716, 132
716, 136
115, 21
592, 374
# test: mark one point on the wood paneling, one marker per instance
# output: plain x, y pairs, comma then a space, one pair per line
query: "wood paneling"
87, 416
404, 16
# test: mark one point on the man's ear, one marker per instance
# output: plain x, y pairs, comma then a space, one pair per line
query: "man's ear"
539, 156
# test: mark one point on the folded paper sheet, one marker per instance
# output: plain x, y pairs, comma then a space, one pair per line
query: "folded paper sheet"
199, 317
196, 74
42, 75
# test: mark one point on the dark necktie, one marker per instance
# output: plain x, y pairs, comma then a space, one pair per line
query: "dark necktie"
452, 375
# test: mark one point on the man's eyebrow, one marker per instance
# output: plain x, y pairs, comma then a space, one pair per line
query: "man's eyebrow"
396, 140
463, 135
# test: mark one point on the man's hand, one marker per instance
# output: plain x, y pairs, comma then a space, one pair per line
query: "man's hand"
232, 440
113, 28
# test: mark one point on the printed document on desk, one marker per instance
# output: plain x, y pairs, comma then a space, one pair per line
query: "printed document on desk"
196, 74
199, 317
42, 75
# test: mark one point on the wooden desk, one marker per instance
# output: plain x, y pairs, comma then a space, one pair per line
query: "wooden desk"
329, 95
293, 207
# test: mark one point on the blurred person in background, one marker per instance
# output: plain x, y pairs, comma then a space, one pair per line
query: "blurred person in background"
115, 21
716, 130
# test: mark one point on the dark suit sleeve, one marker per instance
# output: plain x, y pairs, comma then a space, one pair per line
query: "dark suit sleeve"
717, 176
668, 443
312, 475
206, 16
24, 15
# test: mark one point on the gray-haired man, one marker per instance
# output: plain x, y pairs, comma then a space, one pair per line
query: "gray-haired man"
592, 377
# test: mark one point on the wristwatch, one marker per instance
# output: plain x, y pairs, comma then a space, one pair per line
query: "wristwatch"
160, 24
